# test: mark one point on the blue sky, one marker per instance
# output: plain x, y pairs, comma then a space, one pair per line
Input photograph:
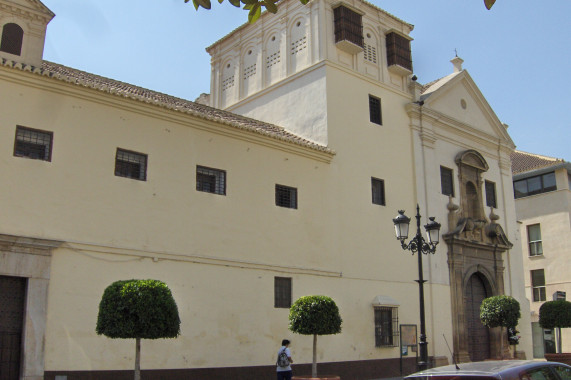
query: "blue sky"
519, 53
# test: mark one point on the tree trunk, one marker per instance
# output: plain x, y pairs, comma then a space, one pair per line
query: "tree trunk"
559, 343
138, 359
501, 342
314, 364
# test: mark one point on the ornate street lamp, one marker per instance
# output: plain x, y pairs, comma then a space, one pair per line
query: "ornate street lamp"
419, 245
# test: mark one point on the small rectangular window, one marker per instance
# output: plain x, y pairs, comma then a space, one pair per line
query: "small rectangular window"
378, 191
33, 143
386, 326
534, 240
446, 181
538, 285
491, 194
210, 180
282, 292
375, 113
131, 165
286, 196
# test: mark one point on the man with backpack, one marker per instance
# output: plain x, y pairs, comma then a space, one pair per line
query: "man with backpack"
284, 360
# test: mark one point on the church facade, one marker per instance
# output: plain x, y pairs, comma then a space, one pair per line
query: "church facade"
282, 182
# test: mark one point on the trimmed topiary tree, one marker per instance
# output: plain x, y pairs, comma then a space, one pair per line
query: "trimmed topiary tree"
500, 311
315, 315
138, 309
555, 314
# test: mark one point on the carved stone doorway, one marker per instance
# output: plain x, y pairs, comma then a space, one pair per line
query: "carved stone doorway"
478, 334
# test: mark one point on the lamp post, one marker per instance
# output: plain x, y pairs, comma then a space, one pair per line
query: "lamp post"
419, 245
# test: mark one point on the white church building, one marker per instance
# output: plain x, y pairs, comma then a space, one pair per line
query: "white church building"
282, 182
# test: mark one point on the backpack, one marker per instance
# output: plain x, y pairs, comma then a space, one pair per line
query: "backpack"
283, 360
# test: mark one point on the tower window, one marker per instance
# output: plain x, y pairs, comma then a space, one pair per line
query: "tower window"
12, 38
398, 51
348, 26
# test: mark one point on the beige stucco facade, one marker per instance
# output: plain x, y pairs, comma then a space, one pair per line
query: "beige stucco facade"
71, 226
550, 211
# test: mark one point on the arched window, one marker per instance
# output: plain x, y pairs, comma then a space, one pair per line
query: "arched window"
12, 37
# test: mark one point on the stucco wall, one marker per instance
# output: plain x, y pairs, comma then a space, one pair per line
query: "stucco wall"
552, 212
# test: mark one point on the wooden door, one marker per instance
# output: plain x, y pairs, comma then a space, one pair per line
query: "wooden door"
12, 301
478, 334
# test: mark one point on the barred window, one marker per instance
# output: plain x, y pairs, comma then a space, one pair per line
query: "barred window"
12, 38
286, 196
282, 292
378, 191
210, 180
131, 165
386, 326
446, 181
491, 194
33, 143
375, 113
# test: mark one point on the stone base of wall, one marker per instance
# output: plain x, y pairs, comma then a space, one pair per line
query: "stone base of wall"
354, 370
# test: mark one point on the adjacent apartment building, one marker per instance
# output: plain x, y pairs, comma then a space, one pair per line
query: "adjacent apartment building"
542, 188
282, 182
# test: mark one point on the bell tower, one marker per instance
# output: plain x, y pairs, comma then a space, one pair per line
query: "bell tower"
23, 26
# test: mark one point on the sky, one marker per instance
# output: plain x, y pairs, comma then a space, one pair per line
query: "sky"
518, 53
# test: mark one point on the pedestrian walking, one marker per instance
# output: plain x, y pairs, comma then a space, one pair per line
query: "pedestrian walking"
284, 361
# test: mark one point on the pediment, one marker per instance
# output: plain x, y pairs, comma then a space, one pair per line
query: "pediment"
459, 99
472, 158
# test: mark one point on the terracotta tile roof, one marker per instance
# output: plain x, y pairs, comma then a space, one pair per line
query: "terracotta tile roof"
117, 88
524, 162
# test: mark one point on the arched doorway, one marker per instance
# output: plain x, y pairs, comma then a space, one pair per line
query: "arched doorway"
478, 334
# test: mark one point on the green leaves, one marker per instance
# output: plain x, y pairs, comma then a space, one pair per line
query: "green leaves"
270, 6
315, 315
254, 7
138, 309
500, 311
555, 314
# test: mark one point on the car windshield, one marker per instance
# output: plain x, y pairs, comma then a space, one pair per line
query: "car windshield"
542, 373
563, 372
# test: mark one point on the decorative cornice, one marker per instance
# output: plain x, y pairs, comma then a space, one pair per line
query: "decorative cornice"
28, 245
42, 14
